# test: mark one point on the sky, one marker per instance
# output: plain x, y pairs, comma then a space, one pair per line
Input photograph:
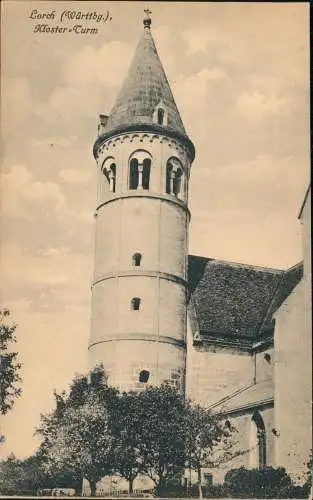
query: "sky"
239, 73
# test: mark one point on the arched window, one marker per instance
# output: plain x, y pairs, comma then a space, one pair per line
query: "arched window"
139, 170
109, 171
133, 174
177, 182
110, 174
144, 376
146, 173
168, 179
258, 435
160, 116
136, 259
174, 174
135, 303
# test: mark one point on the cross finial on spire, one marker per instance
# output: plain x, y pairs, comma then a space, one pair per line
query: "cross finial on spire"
147, 18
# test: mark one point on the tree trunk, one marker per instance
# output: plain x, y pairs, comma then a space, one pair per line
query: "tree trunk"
200, 483
160, 486
130, 485
93, 487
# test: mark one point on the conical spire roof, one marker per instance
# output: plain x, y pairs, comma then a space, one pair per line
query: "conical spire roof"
144, 89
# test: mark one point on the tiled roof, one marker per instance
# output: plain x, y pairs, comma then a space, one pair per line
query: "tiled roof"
144, 88
234, 301
254, 395
290, 278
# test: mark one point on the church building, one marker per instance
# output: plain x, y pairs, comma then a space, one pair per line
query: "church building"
234, 337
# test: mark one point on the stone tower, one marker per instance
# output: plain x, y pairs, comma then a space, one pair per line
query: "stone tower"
143, 155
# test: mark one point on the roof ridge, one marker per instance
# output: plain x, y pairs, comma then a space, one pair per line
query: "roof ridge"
238, 264
299, 264
308, 189
266, 314
279, 284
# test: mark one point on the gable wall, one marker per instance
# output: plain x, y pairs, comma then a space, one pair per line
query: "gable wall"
293, 375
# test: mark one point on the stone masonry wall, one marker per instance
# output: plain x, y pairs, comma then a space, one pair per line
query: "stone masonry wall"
293, 375
213, 373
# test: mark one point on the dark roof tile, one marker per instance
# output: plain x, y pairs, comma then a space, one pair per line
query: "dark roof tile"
237, 300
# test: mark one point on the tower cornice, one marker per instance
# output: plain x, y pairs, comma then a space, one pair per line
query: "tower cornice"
145, 194
140, 273
152, 128
146, 337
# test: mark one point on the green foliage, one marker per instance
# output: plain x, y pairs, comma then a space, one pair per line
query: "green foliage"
9, 367
173, 488
77, 434
95, 431
155, 430
128, 461
268, 482
214, 491
204, 432
149, 435
26, 477
310, 471
161, 413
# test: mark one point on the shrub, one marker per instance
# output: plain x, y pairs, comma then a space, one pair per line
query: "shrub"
294, 491
257, 483
171, 489
214, 491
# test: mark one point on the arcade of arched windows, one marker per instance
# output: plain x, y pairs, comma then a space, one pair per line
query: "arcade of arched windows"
139, 170
139, 174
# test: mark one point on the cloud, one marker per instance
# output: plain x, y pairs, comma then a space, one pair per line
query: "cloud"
74, 176
256, 105
270, 38
68, 102
55, 252
165, 40
106, 65
247, 212
22, 195
197, 39
16, 103
194, 92
37, 215
265, 184
241, 236
55, 279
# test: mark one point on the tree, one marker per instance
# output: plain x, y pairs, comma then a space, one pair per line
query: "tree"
128, 460
308, 482
9, 367
77, 435
161, 445
204, 432
26, 477
22, 477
